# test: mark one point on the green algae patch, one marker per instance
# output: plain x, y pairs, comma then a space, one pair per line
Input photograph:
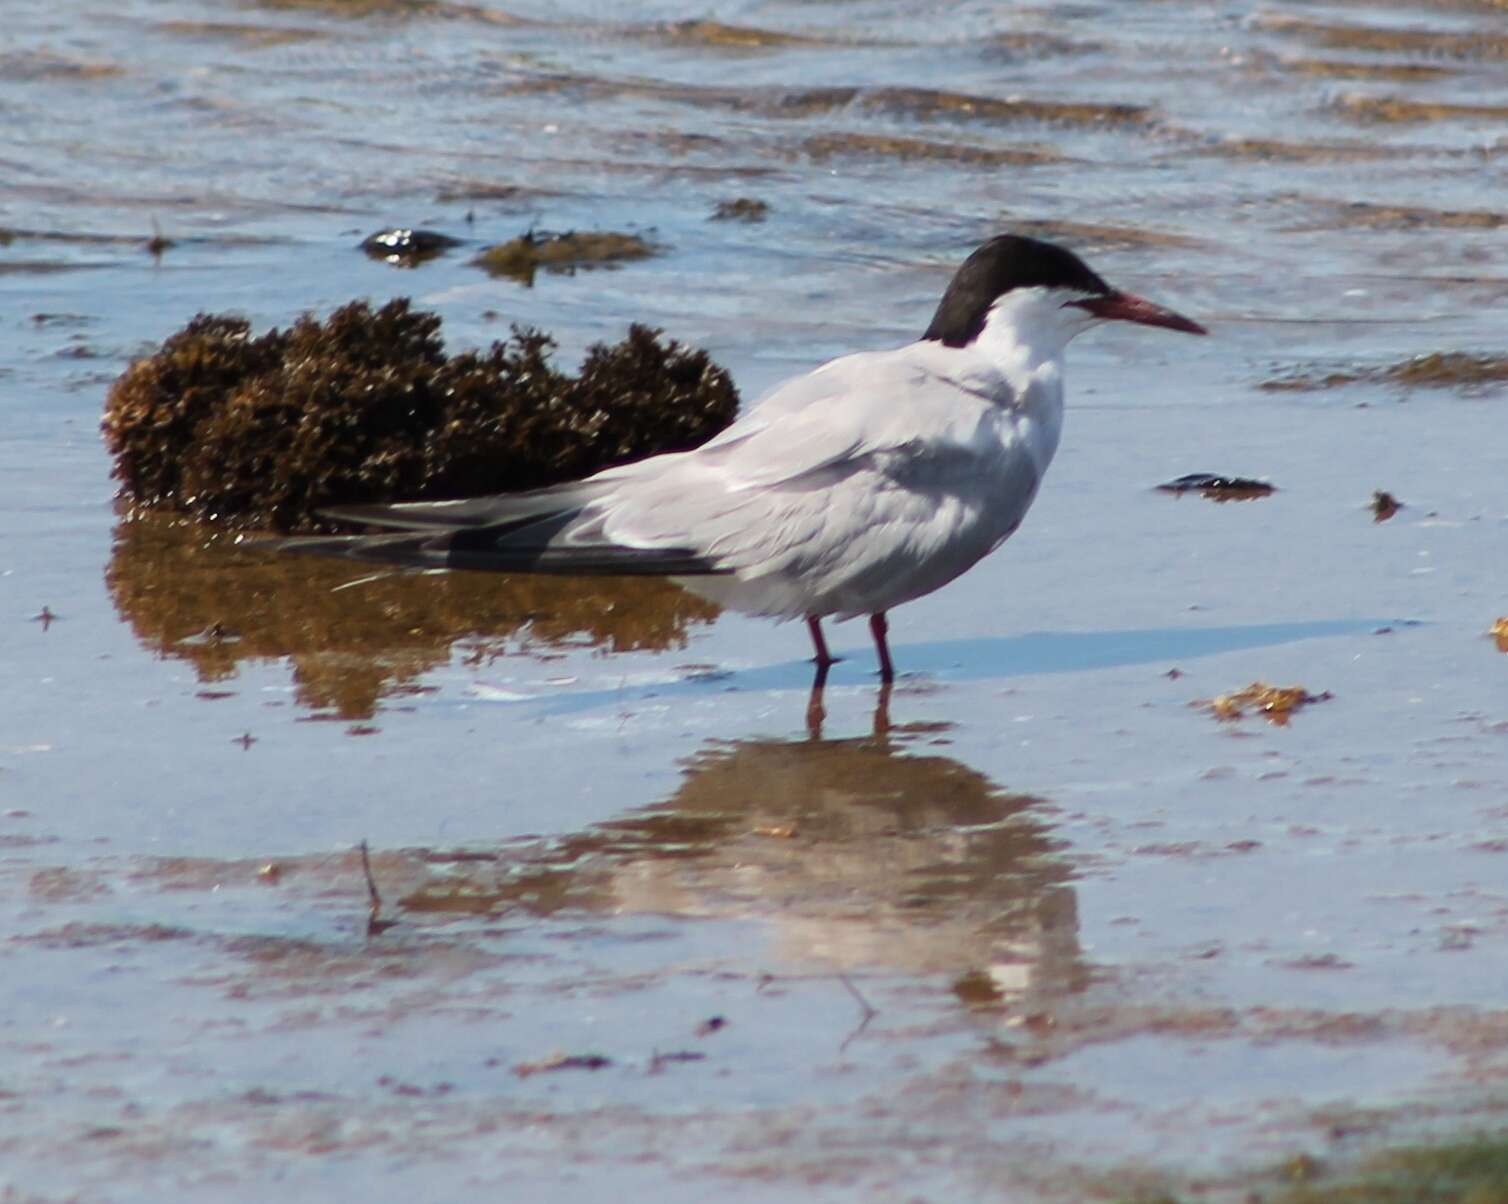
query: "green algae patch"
263, 432
1474, 1171
522, 257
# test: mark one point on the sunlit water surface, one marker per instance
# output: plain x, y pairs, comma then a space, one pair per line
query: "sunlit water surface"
1105, 934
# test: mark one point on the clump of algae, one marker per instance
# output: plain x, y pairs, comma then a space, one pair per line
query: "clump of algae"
263, 431
1276, 704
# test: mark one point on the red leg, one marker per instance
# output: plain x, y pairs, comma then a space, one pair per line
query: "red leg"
824, 658
880, 628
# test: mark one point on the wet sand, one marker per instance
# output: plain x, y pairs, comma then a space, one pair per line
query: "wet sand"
1040, 924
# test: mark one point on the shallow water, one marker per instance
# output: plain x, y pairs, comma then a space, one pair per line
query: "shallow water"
1109, 938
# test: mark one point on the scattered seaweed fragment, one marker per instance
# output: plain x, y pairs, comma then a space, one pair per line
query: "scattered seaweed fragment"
561, 1061
522, 257
1499, 632
1384, 505
1218, 488
741, 209
1276, 704
406, 247
365, 406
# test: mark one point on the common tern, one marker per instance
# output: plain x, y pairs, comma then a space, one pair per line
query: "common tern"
868, 482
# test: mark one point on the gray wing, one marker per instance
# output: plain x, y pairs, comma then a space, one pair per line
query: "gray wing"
866, 443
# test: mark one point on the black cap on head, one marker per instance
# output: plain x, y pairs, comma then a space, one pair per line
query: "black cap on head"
1007, 262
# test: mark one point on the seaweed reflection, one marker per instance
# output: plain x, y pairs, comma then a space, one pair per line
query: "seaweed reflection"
215, 603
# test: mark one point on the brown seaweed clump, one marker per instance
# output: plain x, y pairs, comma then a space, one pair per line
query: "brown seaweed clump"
1276, 704
366, 407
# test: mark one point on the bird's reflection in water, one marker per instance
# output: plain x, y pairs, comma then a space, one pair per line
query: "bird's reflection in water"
871, 852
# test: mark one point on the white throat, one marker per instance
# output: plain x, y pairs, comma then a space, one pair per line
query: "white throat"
1024, 337
1029, 328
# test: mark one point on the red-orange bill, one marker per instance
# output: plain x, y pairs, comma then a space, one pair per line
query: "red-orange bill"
1127, 307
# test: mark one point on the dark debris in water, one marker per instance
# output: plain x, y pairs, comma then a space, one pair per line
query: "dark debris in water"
741, 209
158, 243
365, 406
1384, 505
522, 257
590, 1061
404, 246
1218, 488
1276, 704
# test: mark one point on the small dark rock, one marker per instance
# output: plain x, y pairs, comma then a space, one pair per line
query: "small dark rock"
405, 247
1218, 488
